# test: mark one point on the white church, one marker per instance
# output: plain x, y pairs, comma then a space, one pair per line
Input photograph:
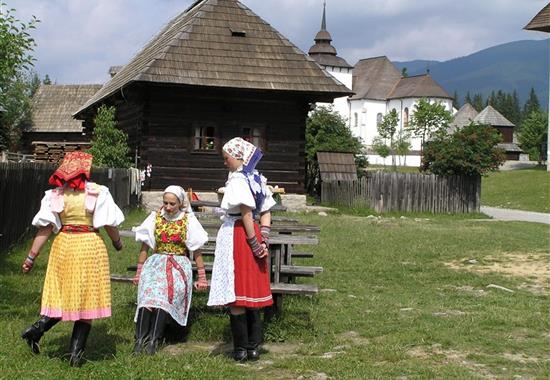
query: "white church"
379, 87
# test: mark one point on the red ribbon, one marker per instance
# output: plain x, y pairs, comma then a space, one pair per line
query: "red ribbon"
73, 228
170, 264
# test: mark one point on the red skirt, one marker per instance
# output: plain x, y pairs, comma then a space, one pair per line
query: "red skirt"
252, 286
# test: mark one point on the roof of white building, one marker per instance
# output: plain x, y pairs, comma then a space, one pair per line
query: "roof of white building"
374, 78
418, 86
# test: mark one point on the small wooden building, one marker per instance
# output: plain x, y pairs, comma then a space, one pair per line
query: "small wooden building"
214, 72
337, 166
492, 117
53, 130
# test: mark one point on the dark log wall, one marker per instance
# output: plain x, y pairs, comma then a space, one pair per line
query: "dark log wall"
172, 114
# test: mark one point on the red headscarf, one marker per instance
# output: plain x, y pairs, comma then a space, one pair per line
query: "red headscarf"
73, 171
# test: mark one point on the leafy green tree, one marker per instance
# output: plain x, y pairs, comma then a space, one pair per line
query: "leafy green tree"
109, 144
478, 103
326, 130
456, 101
404, 72
429, 119
380, 147
468, 98
16, 46
387, 129
534, 135
470, 151
47, 80
402, 145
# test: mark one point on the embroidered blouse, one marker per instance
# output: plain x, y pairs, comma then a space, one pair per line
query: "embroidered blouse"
171, 234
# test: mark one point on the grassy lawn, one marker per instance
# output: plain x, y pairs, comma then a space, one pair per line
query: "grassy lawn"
400, 298
527, 189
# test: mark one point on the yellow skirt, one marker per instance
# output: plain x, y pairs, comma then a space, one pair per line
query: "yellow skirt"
77, 284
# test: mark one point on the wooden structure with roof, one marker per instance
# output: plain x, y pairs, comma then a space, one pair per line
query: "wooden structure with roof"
53, 130
216, 71
337, 166
465, 115
490, 116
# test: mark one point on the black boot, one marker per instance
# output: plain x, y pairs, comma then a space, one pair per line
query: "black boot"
78, 342
240, 336
255, 333
156, 331
142, 329
33, 334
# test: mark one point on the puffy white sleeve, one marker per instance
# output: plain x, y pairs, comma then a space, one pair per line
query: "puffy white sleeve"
237, 193
145, 232
106, 211
196, 235
268, 201
46, 216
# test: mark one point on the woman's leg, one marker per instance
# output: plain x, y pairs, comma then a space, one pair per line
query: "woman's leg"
255, 333
143, 327
33, 333
239, 331
81, 330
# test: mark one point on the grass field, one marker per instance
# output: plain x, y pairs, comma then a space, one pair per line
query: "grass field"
527, 189
400, 298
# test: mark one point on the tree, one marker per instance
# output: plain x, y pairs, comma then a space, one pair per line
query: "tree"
402, 145
16, 46
47, 80
404, 72
534, 135
429, 119
387, 129
470, 151
326, 130
456, 102
381, 148
478, 102
109, 144
468, 98
531, 105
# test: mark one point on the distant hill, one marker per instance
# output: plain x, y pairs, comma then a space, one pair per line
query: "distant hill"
517, 65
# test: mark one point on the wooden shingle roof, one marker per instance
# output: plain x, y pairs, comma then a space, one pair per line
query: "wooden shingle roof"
374, 78
541, 21
491, 116
465, 115
53, 106
336, 166
418, 86
222, 43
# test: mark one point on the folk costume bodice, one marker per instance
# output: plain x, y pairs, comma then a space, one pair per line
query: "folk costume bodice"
170, 236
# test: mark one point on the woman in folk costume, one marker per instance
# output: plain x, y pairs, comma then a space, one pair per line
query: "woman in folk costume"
240, 276
77, 285
166, 278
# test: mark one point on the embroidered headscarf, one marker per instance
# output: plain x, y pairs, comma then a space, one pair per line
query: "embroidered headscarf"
180, 193
74, 171
243, 150
250, 155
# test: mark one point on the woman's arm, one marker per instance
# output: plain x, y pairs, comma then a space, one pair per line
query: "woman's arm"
201, 283
248, 222
265, 227
40, 239
141, 259
115, 237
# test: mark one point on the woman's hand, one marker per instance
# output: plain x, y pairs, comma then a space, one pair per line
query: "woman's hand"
29, 261
201, 284
135, 280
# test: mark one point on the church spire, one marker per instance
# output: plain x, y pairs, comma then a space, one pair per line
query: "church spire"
324, 21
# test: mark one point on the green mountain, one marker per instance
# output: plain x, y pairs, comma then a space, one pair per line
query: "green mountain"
517, 65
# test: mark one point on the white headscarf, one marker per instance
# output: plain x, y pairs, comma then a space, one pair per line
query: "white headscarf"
180, 193
243, 150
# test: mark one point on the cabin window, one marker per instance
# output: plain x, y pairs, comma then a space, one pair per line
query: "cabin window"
255, 135
205, 138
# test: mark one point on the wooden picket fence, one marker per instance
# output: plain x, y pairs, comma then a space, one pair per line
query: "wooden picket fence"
22, 187
406, 192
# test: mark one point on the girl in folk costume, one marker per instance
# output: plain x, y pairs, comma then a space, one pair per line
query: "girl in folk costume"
166, 278
240, 276
77, 285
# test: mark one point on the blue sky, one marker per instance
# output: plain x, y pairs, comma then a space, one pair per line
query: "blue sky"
78, 40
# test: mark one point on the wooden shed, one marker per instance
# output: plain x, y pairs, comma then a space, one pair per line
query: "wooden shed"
53, 130
337, 166
490, 116
214, 72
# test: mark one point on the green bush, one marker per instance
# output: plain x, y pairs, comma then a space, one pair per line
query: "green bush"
470, 151
109, 144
